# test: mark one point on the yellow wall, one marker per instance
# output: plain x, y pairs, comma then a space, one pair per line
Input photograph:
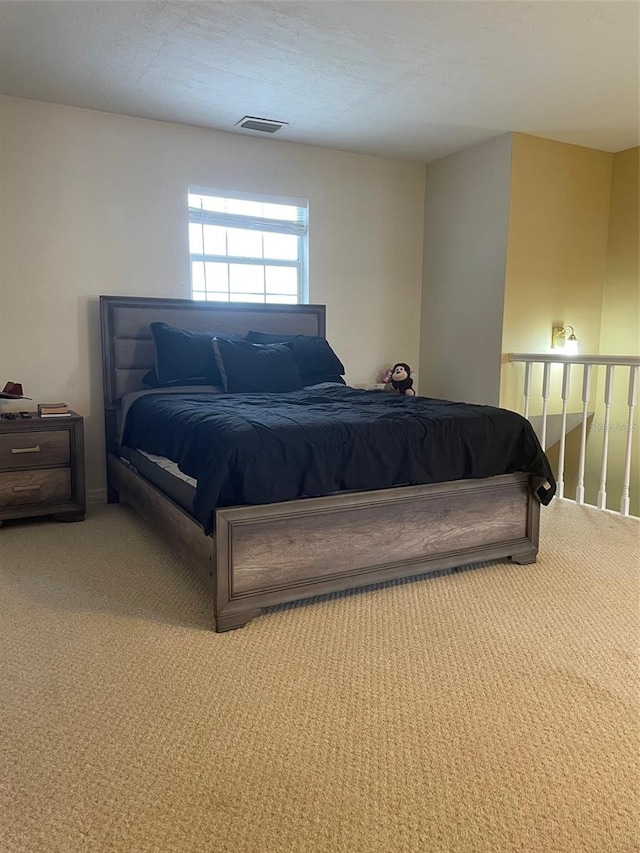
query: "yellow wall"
619, 331
572, 258
556, 253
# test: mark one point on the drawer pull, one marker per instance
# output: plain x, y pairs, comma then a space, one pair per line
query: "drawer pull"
26, 488
34, 449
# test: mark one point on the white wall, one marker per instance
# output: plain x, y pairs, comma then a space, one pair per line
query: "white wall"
465, 245
94, 203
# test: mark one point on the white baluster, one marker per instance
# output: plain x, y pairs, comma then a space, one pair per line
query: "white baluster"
586, 393
527, 388
545, 400
624, 502
608, 397
566, 376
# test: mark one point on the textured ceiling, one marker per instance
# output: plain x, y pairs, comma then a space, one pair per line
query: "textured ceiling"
414, 80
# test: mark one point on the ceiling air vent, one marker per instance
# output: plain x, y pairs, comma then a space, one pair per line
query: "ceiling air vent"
263, 125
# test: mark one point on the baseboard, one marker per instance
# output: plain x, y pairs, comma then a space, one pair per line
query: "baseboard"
96, 496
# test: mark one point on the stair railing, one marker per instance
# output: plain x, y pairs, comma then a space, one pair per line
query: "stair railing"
588, 362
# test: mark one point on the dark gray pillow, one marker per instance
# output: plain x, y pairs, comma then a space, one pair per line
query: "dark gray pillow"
183, 355
248, 368
316, 360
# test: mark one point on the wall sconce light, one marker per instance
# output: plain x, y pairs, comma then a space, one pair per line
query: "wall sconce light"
560, 340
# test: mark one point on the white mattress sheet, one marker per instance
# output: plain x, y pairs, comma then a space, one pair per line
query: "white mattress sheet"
168, 466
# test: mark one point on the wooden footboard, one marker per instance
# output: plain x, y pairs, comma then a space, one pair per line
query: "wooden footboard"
282, 552
269, 554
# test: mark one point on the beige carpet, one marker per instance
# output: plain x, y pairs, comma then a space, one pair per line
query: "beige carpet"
487, 710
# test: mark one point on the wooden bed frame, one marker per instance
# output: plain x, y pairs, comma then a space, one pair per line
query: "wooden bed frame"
268, 554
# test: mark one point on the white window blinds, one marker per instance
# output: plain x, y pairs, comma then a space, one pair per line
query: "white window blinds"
247, 248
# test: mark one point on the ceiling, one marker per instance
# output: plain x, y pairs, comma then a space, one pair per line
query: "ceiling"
411, 80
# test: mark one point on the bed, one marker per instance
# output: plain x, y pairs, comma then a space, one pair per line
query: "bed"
255, 556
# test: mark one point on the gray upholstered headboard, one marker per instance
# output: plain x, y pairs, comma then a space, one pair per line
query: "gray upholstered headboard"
128, 349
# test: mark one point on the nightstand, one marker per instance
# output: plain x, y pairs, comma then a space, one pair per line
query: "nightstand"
42, 467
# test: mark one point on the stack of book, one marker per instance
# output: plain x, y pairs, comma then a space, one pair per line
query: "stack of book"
53, 410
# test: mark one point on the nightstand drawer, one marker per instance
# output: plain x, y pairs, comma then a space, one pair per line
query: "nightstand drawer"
34, 449
18, 488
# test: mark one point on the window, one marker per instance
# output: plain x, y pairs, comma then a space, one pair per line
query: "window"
247, 248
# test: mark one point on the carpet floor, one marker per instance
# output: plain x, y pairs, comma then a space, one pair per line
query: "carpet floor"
479, 711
